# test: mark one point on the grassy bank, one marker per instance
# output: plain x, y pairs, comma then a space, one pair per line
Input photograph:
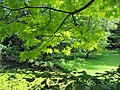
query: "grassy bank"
95, 63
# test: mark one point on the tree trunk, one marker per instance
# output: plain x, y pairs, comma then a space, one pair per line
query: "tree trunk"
87, 54
0, 59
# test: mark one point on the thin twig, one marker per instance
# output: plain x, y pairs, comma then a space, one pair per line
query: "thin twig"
74, 12
61, 23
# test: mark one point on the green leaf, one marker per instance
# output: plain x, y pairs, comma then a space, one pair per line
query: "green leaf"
67, 51
76, 44
48, 82
49, 50
56, 51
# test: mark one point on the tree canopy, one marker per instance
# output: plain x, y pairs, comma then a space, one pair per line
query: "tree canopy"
43, 24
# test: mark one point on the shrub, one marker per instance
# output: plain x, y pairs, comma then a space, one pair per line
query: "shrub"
29, 80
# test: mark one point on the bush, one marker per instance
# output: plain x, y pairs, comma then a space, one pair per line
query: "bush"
35, 80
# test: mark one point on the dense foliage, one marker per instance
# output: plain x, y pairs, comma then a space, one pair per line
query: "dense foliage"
35, 31
114, 38
28, 80
43, 25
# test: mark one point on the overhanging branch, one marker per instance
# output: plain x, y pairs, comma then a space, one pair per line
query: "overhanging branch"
39, 7
74, 12
45, 7
84, 7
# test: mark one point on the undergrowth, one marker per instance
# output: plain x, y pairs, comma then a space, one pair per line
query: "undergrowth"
35, 80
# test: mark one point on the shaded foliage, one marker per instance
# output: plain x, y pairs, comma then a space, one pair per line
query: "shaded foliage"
110, 80
114, 38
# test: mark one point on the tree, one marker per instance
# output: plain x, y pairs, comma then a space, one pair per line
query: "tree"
42, 24
91, 36
114, 38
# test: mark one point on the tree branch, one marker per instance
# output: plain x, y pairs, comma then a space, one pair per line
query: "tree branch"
45, 7
62, 23
75, 21
84, 7
74, 12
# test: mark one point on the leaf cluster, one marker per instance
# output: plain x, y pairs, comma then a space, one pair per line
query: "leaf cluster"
23, 80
